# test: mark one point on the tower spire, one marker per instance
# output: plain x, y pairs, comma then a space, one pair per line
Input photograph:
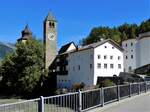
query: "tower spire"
26, 31
50, 17
26, 34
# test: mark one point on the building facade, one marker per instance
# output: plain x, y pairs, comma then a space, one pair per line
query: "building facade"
143, 49
129, 56
85, 64
136, 52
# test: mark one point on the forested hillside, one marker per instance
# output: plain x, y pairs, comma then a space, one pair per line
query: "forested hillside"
118, 34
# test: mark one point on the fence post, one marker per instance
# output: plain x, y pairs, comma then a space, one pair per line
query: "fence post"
118, 92
80, 101
102, 96
130, 90
41, 104
145, 86
139, 87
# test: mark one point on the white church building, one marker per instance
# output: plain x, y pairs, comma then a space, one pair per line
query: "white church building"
85, 64
136, 52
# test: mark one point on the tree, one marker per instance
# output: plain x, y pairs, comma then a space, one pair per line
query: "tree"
145, 26
118, 34
124, 36
22, 69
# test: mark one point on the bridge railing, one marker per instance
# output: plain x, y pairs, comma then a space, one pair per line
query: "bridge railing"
61, 103
22, 106
78, 101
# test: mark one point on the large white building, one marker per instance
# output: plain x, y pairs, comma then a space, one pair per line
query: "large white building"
129, 47
85, 64
136, 52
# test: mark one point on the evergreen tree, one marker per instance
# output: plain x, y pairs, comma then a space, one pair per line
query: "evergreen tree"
145, 26
124, 36
118, 34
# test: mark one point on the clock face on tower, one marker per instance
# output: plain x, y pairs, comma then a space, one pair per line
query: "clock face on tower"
51, 36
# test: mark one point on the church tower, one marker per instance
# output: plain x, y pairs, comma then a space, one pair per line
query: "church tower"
26, 34
50, 39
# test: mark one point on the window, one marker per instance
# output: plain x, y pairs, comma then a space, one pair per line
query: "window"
91, 56
131, 44
57, 59
112, 47
58, 68
105, 46
111, 57
90, 66
53, 25
126, 45
99, 56
131, 56
105, 65
50, 24
78, 67
119, 57
126, 57
99, 65
130, 68
73, 68
119, 66
111, 65
105, 57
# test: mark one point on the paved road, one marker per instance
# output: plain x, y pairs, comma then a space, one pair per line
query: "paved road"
138, 104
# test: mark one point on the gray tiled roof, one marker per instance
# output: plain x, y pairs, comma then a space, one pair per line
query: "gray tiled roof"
65, 47
94, 45
100, 43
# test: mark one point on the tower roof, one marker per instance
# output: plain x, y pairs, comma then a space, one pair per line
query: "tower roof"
26, 30
50, 17
26, 34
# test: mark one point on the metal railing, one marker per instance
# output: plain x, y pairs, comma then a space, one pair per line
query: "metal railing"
62, 103
78, 101
23, 106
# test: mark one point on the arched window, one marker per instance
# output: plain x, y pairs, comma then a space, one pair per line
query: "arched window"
50, 24
53, 25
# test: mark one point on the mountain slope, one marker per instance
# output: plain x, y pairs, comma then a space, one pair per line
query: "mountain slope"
5, 48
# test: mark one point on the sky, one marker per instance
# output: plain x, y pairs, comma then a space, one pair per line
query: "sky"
75, 18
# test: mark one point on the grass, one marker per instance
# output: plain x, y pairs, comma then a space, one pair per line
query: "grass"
5, 101
9, 99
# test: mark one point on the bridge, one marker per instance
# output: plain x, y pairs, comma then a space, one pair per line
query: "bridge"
139, 103
131, 97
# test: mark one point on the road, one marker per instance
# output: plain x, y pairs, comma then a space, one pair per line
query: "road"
138, 104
